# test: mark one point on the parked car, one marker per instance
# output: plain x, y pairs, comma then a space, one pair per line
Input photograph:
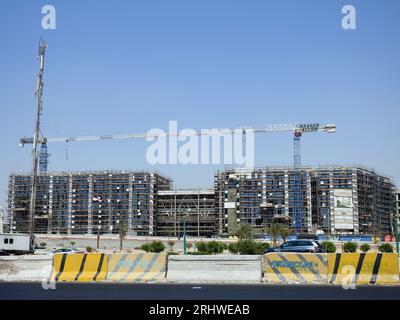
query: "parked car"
297, 246
65, 250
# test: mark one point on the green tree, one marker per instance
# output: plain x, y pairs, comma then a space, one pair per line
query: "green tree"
277, 230
189, 246
244, 232
72, 243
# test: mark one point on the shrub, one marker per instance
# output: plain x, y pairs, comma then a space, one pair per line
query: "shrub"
385, 247
247, 247
201, 247
350, 247
146, 247
43, 244
233, 248
215, 247
328, 247
365, 247
89, 249
157, 246
262, 246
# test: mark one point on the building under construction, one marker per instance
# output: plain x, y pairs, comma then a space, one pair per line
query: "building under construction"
87, 202
334, 199
192, 209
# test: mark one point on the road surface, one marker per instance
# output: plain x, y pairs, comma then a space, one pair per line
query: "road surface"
80, 291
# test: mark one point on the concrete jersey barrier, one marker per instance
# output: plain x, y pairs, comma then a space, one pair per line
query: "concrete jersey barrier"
79, 267
25, 268
363, 268
136, 267
214, 268
304, 268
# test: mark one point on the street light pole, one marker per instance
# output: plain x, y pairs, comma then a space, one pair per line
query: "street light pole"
396, 228
184, 231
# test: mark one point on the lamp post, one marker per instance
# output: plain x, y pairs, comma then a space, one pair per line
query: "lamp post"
396, 228
184, 231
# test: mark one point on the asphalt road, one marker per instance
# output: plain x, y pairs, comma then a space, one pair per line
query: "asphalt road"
107, 291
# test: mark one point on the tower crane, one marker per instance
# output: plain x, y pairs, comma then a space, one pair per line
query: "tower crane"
297, 129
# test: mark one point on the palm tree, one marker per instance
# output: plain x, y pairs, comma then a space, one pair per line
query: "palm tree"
244, 232
278, 230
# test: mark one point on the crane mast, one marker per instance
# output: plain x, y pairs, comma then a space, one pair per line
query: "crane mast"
35, 142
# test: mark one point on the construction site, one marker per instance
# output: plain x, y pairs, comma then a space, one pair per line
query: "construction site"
336, 200
333, 200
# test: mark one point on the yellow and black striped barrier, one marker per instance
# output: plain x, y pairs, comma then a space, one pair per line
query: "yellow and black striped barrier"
136, 267
363, 268
305, 268
79, 267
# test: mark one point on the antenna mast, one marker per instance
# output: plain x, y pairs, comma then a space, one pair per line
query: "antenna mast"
35, 153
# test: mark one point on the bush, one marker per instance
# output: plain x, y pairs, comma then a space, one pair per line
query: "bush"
43, 244
350, 247
155, 246
328, 247
233, 248
247, 247
201, 247
89, 249
215, 247
386, 247
365, 247
262, 246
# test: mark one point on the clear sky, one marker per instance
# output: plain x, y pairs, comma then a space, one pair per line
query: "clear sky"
129, 66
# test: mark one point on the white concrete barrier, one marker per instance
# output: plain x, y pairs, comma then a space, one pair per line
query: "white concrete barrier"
214, 268
25, 268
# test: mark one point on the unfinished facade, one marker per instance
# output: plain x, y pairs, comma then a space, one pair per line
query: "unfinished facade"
87, 202
335, 199
194, 206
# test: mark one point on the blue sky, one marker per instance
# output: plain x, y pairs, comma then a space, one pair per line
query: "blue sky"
129, 66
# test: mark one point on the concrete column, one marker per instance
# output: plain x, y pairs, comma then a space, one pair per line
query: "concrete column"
331, 205
70, 198
90, 209
151, 205
11, 211
130, 206
286, 187
356, 221
309, 204
50, 214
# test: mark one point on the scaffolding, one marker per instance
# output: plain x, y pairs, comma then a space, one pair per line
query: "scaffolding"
87, 202
263, 196
196, 206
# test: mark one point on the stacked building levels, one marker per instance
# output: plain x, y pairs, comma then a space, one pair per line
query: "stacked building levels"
192, 210
335, 199
87, 202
